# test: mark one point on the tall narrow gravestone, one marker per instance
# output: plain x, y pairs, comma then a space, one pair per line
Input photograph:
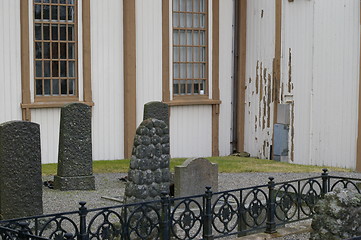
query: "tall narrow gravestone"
157, 110
20, 170
75, 170
149, 173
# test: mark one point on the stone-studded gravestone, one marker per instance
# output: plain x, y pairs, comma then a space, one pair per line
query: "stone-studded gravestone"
20, 170
149, 173
75, 170
337, 216
157, 110
193, 176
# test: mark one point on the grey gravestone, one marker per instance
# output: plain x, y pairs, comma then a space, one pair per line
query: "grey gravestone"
149, 173
20, 170
75, 170
157, 110
193, 176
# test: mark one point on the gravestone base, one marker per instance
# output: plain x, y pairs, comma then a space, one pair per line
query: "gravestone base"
74, 183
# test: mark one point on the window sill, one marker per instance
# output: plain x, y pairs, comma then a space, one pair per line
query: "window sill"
51, 104
186, 102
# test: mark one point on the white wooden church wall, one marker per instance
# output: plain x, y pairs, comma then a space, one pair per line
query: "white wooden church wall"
10, 65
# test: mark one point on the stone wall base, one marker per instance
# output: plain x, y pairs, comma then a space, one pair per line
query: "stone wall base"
74, 183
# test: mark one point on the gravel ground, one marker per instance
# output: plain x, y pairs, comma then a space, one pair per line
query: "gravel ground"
109, 185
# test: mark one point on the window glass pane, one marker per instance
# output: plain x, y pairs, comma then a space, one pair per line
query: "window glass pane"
71, 87
55, 87
176, 5
62, 12
182, 86
63, 1
38, 69
189, 21
189, 38
37, 1
71, 53
182, 19
37, 12
182, 37
62, 32
71, 36
55, 50
182, 5
176, 20
46, 1
64, 87
202, 38
176, 37
54, 32
189, 54
46, 68
71, 14
202, 5
196, 5
196, 70
203, 54
175, 87
182, 70
189, 5
63, 50
203, 87
71, 69
182, 54
46, 12
46, 31
189, 87
176, 70
196, 54
39, 87
54, 1
203, 70
63, 69
196, 37
196, 20
55, 68
203, 21
47, 86
38, 32
189, 70
38, 50
196, 87
46, 50
54, 12
70, 1
175, 54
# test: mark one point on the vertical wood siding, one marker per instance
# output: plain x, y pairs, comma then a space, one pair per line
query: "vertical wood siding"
49, 121
226, 20
259, 77
107, 79
190, 130
10, 65
320, 76
149, 53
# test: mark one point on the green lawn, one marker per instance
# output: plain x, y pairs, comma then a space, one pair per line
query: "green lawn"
227, 164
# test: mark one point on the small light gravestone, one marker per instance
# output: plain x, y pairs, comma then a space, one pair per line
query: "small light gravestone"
75, 170
193, 176
20, 170
157, 110
149, 173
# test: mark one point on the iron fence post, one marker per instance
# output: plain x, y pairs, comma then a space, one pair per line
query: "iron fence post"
271, 224
324, 181
23, 231
83, 211
68, 236
207, 220
164, 227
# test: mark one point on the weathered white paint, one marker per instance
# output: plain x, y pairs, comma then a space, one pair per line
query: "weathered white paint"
149, 53
107, 79
226, 20
191, 131
10, 65
259, 77
323, 38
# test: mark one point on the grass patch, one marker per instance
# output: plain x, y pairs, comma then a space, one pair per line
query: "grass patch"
227, 164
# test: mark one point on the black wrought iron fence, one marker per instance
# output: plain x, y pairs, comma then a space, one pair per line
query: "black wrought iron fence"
206, 216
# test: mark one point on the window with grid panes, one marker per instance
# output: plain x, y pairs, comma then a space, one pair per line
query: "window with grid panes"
55, 48
190, 44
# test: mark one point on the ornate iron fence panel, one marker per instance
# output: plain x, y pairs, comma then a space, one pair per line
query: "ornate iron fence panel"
206, 216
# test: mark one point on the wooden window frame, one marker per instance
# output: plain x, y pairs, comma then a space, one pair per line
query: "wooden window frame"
26, 80
57, 22
212, 94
